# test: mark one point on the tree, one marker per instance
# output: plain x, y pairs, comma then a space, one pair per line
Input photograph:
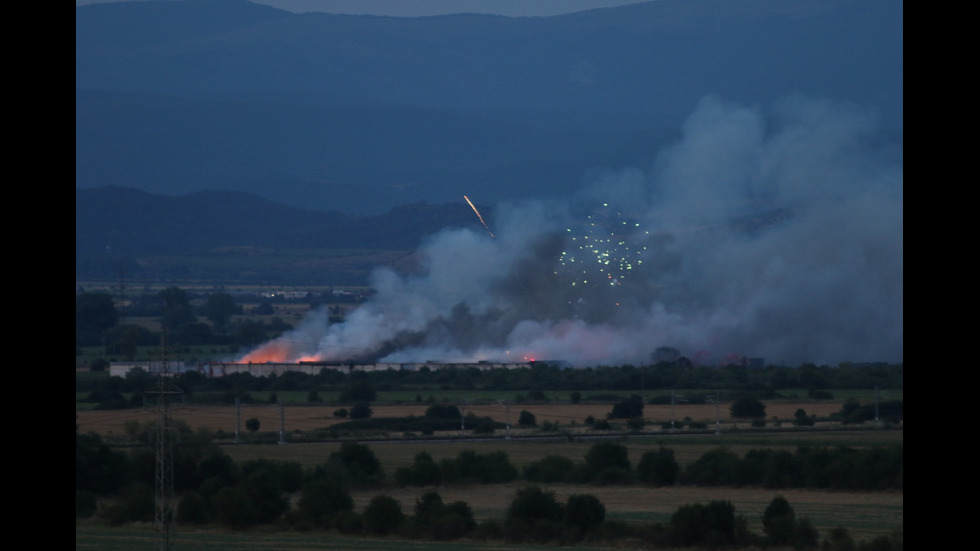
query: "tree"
360, 411
423, 472
549, 469
383, 515
711, 525
442, 521
778, 520
235, 509
628, 409
609, 460
584, 511
263, 488
174, 297
94, 314
322, 501
802, 419
748, 408
253, 424
783, 528
357, 463
526, 419
219, 308
358, 391
658, 468
534, 513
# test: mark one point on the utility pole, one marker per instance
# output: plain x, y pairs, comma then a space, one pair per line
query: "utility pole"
507, 410
716, 401
282, 423
462, 419
238, 418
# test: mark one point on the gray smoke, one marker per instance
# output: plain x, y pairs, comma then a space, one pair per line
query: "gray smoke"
773, 234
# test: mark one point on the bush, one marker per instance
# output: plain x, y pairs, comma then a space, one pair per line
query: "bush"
527, 419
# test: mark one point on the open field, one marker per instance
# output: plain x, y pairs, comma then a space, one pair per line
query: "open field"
100, 538
864, 514
306, 418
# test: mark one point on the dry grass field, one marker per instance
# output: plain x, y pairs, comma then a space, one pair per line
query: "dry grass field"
306, 418
864, 514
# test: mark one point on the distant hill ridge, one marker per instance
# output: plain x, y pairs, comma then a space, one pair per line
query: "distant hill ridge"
363, 113
131, 222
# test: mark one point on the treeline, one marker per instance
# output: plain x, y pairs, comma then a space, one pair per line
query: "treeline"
116, 487
604, 383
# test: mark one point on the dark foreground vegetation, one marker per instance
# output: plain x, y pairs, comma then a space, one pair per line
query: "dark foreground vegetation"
116, 487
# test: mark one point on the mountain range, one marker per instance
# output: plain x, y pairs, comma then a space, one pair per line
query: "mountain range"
361, 114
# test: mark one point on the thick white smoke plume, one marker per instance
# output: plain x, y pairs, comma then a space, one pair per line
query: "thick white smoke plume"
775, 235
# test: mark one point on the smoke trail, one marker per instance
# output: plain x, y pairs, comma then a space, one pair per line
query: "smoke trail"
775, 235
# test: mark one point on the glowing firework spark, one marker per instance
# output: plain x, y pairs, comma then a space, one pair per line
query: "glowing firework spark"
608, 251
472, 206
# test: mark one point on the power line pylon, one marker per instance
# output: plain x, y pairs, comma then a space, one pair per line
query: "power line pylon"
164, 494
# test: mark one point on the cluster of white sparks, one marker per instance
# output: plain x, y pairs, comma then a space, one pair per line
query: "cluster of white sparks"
603, 252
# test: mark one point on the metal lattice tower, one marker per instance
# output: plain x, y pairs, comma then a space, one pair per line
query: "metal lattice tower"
164, 495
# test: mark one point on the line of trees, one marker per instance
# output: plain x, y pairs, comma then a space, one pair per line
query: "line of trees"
115, 486
586, 384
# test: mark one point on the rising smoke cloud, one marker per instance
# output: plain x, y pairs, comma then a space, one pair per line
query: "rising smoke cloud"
775, 234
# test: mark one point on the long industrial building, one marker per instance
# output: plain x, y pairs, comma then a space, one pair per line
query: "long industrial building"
222, 369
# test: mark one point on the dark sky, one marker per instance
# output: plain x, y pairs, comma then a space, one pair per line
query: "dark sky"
419, 8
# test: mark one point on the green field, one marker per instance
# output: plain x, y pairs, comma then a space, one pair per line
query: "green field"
99, 538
